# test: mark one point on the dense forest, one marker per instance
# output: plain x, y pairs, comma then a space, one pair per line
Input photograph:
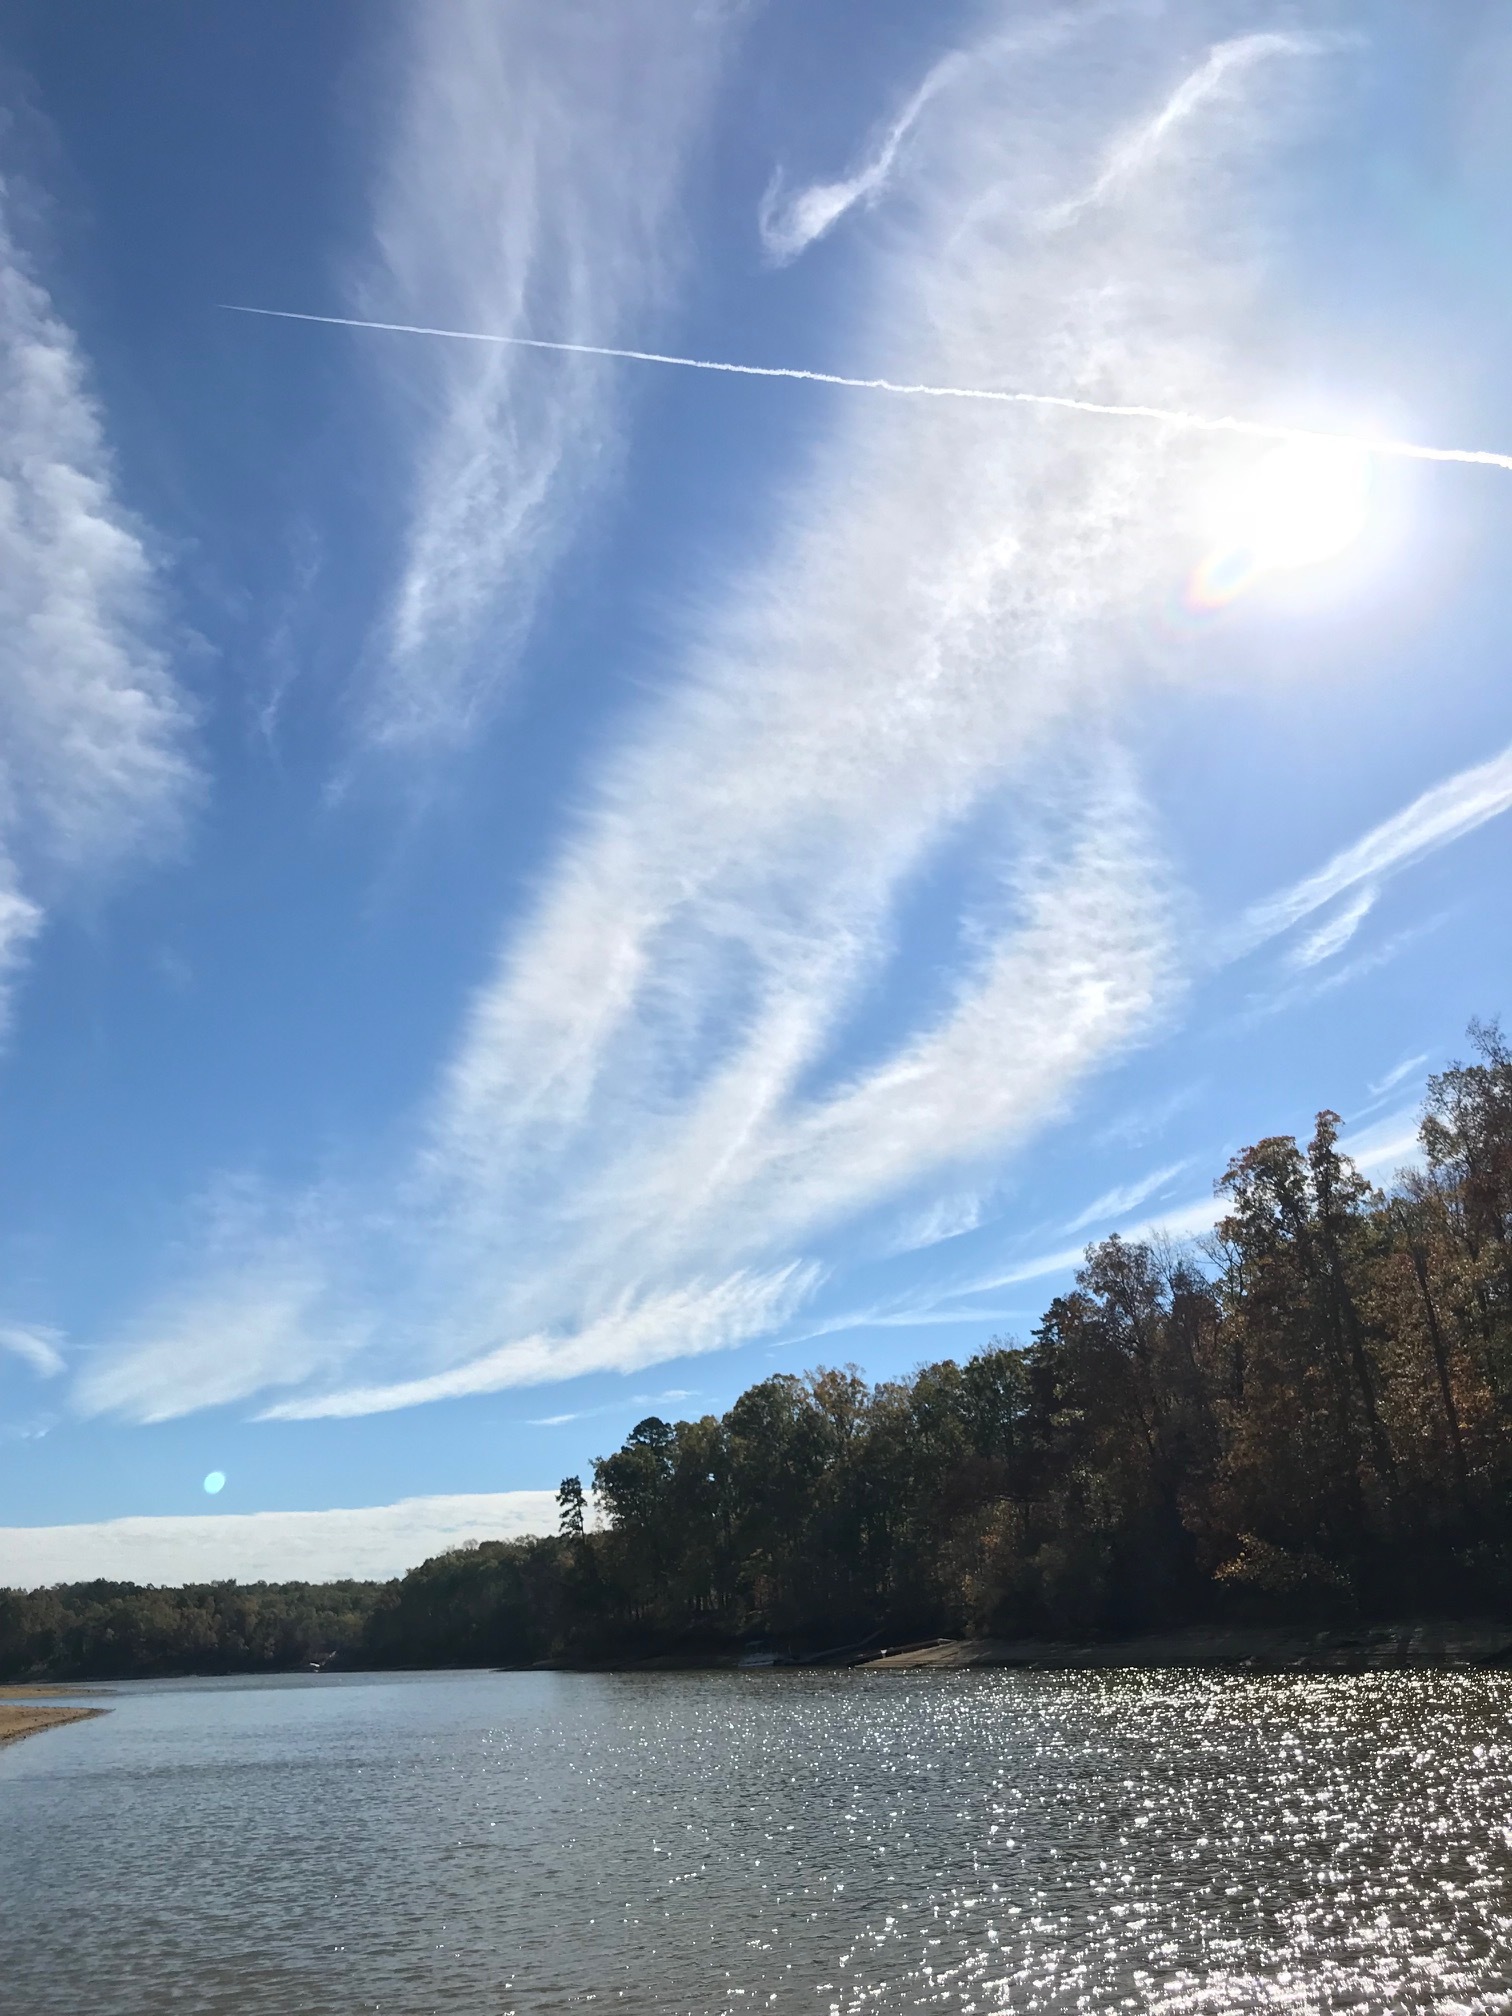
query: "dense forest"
1305, 1417
117, 1630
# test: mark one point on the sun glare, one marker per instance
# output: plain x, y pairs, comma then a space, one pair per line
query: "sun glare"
1301, 505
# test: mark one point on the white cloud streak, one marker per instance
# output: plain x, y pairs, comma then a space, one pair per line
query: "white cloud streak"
35, 1345
369, 1543
533, 174
93, 764
1335, 933
1224, 73
269, 1323
1181, 1221
791, 220
1438, 817
1397, 1074
1390, 1144
20, 921
1126, 1197
640, 1331
947, 1218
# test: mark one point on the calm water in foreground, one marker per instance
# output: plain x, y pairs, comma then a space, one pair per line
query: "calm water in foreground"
477, 1843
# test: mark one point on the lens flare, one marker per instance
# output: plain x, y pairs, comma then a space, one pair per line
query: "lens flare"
216, 1481
1301, 505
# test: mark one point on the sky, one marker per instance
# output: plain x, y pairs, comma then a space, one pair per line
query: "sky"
539, 887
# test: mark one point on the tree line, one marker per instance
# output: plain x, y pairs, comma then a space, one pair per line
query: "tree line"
1304, 1417
122, 1631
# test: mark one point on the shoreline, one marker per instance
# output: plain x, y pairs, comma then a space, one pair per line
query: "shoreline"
19, 1722
1406, 1645
53, 1690
1411, 1645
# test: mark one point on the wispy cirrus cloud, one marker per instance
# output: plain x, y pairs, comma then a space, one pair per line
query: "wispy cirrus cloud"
790, 220
1222, 73
645, 1124
1299, 991
683, 1322
1390, 1144
36, 1345
1179, 1221
1126, 1197
269, 1322
674, 1396
1397, 1075
530, 186
1439, 816
93, 728
1335, 932
946, 1218
1147, 1120
20, 921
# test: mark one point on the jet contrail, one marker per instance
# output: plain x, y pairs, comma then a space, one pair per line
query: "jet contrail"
1201, 423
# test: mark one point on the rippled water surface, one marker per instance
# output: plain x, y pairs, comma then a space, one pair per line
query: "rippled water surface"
478, 1843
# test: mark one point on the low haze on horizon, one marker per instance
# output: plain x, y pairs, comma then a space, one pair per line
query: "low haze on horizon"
541, 886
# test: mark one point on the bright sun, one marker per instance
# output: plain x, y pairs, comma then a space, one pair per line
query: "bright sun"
1303, 503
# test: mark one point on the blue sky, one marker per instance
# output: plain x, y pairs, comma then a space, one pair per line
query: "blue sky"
540, 888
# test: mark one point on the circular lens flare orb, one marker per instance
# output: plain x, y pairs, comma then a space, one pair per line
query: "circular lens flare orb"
216, 1481
1303, 504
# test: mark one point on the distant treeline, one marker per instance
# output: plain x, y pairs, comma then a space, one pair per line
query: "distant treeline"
119, 1631
1306, 1417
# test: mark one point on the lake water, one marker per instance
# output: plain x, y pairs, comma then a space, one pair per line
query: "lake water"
480, 1843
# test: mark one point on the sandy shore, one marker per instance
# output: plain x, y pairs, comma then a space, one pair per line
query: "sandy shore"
1366, 1648
17, 1721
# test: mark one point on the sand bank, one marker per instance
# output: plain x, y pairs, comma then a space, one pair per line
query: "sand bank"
17, 1721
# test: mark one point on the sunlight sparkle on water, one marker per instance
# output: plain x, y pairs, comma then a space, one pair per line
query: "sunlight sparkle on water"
1299, 506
